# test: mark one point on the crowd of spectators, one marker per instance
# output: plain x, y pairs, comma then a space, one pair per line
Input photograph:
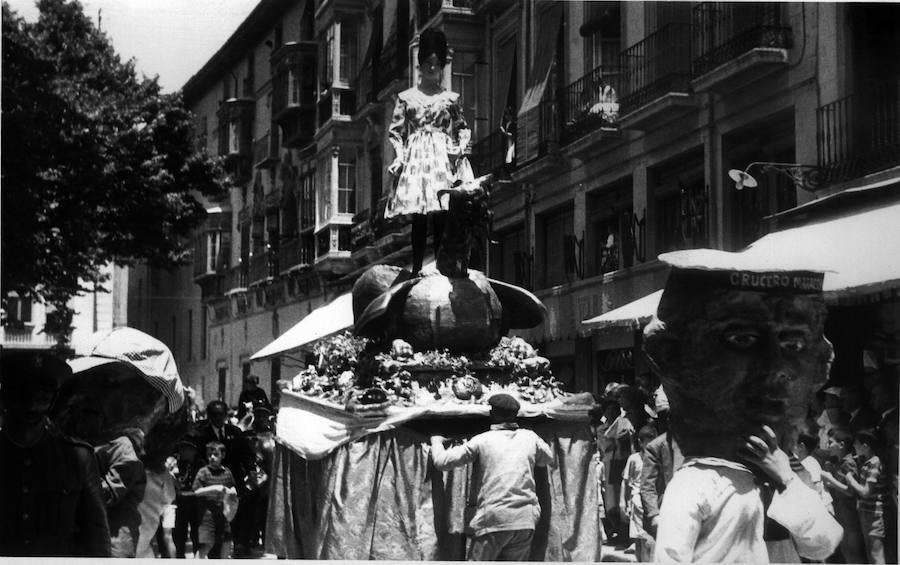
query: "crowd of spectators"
847, 453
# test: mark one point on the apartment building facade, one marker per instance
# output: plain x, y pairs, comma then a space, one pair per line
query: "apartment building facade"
609, 128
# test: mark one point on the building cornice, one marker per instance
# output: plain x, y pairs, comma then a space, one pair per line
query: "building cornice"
254, 27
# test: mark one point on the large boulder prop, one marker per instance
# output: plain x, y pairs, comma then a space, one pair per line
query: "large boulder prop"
737, 346
453, 308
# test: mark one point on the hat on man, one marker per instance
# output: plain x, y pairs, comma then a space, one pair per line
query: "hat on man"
152, 359
503, 406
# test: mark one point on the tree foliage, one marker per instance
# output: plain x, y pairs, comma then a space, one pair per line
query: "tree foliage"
98, 165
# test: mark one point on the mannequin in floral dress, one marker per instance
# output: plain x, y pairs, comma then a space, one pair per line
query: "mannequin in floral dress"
429, 135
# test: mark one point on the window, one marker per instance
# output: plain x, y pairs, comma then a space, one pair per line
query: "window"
223, 381
234, 139
213, 250
328, 63
510, 258
348, 56
608, 245
668, 210
245, 243
307, 200
323, 191
347, 187
18, 310
556, 237
251, 71
603, 45
294, 86
463, 82
279, 36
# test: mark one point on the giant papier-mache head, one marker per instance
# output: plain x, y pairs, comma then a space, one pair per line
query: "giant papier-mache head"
738, 342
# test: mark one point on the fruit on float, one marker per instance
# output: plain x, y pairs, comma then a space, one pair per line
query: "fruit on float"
401, 350
467, 387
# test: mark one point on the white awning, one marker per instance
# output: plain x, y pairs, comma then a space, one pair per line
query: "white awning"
861, 252
634, 314
332, 318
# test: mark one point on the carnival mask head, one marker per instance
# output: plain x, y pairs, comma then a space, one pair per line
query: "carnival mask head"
737, 345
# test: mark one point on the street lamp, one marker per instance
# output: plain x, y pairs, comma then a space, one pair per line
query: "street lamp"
807, 177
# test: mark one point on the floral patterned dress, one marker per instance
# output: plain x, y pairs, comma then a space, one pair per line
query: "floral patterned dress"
424, 132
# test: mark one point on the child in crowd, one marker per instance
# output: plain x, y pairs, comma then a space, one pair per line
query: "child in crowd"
870, 489
806, 445
631, 493
214, 525
840, 447
600, 470
186, 513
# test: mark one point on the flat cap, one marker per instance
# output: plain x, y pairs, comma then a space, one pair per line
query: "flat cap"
504, 404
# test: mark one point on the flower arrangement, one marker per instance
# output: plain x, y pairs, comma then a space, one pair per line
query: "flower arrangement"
347, 372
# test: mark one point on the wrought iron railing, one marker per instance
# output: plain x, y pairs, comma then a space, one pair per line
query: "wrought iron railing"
724, 30
490, 153
659, 64
860, 133
590, 102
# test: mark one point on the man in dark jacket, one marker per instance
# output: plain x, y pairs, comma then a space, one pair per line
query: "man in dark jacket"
661, 457
50, 497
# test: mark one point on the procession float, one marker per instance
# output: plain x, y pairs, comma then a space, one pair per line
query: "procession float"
352, 477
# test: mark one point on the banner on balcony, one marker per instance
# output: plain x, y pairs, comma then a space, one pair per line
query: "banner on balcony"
528, 126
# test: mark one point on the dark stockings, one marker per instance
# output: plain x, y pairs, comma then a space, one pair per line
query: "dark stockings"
420, 237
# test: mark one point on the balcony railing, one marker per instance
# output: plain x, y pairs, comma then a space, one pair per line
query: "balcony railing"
860, 134
239, 277
24, 337
723, 31
656, 66
490, 153
265, 149
590, 102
